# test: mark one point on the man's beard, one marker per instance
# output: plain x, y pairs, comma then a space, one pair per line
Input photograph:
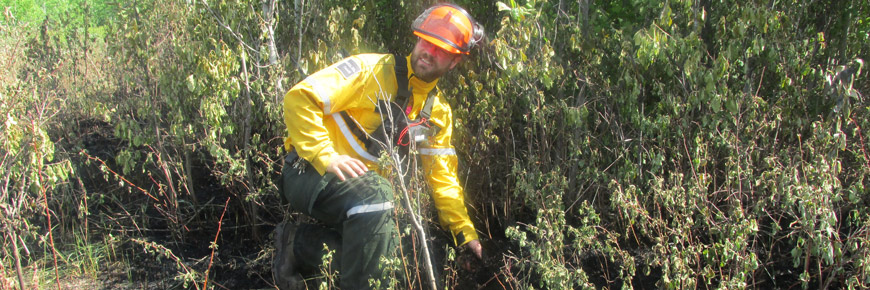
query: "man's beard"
429, 71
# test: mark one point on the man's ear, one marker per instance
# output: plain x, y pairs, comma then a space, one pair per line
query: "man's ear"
456, 60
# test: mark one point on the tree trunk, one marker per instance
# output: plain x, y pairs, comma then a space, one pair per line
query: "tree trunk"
246, 141
584, 10
268, 13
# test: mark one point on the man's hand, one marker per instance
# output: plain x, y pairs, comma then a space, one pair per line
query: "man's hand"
343, 164
475, 247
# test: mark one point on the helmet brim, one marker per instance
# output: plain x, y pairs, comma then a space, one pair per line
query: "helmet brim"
439, 42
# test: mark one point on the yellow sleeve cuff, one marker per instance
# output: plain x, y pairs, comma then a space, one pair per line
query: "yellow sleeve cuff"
322, 161
464, 235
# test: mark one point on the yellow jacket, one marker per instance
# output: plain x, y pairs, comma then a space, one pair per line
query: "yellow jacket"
318, 133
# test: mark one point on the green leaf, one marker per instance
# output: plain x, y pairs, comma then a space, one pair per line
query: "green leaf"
731, 105
191, 83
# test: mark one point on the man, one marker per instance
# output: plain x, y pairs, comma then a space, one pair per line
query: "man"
329, 173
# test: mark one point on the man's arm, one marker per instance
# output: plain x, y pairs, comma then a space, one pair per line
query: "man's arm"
440, 166
310, 102
303, 116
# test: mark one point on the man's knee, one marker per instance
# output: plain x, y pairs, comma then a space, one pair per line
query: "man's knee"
372, 187
372, 213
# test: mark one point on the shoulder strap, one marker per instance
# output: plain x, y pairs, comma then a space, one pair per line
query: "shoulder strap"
403, 94
354, 128
426, 112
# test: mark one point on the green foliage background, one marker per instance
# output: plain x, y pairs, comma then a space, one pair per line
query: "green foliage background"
618, 144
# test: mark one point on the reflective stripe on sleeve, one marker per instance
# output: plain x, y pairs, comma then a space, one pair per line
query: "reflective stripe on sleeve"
345, 130
369, 208
434, 151
318, 89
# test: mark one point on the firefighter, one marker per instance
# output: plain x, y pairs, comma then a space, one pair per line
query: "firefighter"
332, 170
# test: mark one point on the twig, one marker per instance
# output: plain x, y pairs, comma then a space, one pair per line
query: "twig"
214, 244
17, 259
861, 139
161, 250
48, 218
4, 193
119, 175
233, 33
427, 260
397, 165
404, 261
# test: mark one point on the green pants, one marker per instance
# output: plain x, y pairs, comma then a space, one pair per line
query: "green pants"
359, 209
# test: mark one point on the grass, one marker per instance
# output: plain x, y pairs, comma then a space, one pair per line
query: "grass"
83, 264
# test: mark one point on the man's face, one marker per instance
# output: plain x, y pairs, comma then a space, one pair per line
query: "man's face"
430, 62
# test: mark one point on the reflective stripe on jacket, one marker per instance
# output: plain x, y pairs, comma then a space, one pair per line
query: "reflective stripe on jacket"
318, 133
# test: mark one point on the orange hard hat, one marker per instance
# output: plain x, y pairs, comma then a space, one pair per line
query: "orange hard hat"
448, 26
